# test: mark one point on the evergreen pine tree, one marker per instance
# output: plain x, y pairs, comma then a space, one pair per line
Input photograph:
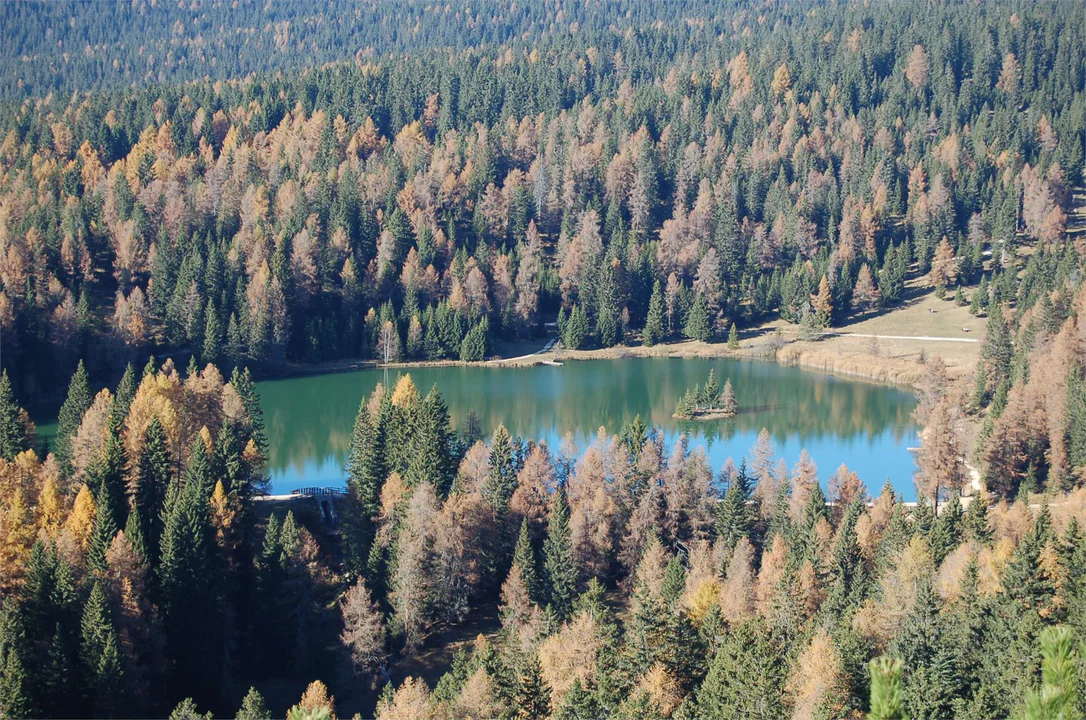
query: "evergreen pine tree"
697, 325
654, 323
577, 329
733, 337
524, 557
501, 482
253, 707
975, 524
533, 698
122, 399
886, 703
16, 685
674, 581
1058, 696
70, 417
476, 343
153, 472
558, 565
431, 455
100, 654
12, 430
734, 516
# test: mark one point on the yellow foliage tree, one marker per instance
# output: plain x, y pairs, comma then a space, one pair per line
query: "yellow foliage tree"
570, 655
315, 703
410, 702
16, 537
782, 80
50, 508
817, 686
405, 393
80, 523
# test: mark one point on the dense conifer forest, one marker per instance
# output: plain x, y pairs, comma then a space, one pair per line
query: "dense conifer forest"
248, 189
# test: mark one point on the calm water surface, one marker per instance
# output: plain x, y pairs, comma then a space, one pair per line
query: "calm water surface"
866, 426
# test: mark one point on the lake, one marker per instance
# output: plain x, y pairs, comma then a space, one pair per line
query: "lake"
864, 425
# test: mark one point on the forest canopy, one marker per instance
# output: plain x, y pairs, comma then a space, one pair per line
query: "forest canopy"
271, 185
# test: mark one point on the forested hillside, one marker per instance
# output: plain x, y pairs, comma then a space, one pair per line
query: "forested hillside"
648, 184
270, 186
630, 579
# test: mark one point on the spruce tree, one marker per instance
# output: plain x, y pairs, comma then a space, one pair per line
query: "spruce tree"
12, 430
1058, 696
533, 698
733, 337
16, 685
106, 478
674, 581
524, 557
746, 678
577, 330
734, 516
153, 472
654, 323
501, 481
366, 467
211, 352
558, 565
253, 707
946, 534
476, 343
70, 418
122, 399
930, 681
886, 702
242, 382
697, 325
105, 529
431, 456
186, 578
579, 703
608, 308
975, 524
100, 654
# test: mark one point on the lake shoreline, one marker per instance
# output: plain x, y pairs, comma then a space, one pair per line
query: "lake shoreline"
807, 355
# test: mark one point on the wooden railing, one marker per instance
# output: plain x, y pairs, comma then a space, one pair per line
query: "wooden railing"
314, 491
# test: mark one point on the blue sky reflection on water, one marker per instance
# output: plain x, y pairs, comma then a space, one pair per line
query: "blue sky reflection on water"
864, 425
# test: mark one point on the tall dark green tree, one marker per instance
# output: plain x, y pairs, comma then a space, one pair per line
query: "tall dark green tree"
734, 515
153, 472
558, 566
70, 417
100, 655
186, 576
501, 481
745, 678
431, 457
655, 326
12, 428
697, 326
524, 557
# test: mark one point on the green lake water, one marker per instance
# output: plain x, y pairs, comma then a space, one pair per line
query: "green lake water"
864, 425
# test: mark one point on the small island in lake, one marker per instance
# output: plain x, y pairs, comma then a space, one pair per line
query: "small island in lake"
707, 403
